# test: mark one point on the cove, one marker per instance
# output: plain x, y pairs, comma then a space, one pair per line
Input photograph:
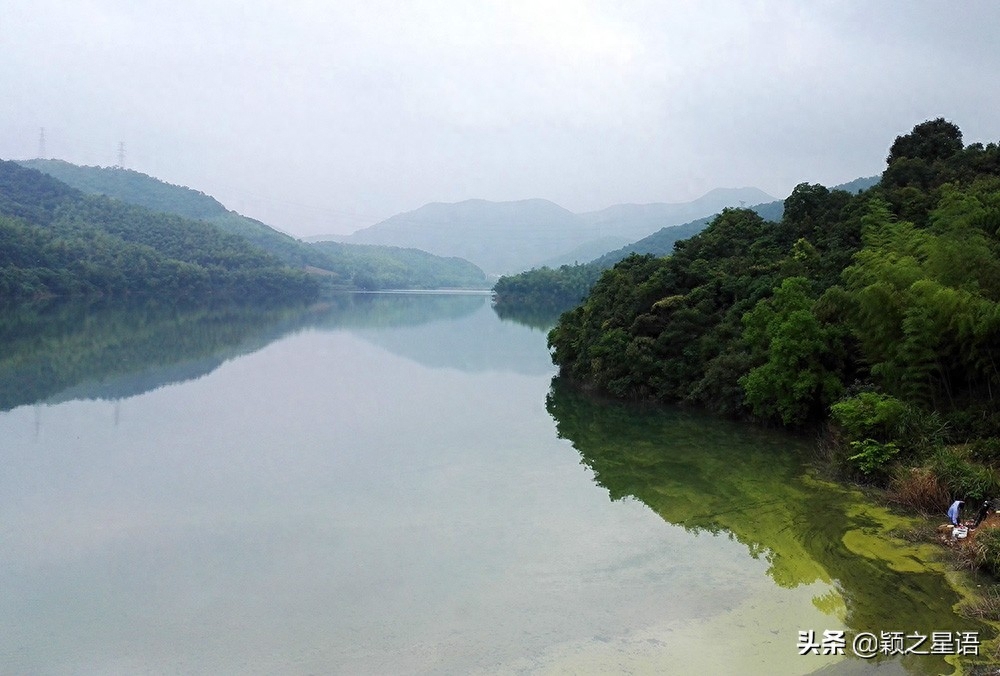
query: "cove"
393, 483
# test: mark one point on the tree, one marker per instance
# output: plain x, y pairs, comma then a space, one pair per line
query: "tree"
796, 382
806, 202
929, 141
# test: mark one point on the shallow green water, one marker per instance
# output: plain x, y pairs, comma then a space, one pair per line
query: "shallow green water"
392, 484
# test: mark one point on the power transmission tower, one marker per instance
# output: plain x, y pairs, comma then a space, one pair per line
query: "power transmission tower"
41, 145
121, 154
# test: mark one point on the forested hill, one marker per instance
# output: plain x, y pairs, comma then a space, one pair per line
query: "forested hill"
548, 290
57, 241
881, 309
349, 266
132, 187
661, 242
139, 189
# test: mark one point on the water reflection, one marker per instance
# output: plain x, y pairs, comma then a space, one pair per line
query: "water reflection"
73, 351
707, 475
394, 310
331, 504
474, 343
542, 319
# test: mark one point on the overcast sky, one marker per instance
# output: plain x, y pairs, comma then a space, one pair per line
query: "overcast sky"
328, 115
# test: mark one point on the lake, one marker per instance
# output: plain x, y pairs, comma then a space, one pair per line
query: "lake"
393, 483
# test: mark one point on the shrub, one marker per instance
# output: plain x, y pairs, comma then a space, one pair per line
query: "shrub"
870, 415
872, 457
919, 488
965, 480
884, 418
922, 430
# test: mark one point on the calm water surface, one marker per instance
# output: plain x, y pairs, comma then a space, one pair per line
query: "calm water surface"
393, 484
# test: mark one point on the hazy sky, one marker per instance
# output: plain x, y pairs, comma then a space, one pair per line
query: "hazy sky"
329, 115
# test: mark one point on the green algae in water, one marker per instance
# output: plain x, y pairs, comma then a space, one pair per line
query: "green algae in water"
755, 486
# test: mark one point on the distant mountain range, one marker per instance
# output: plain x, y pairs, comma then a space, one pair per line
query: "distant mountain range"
440, 244
505, 237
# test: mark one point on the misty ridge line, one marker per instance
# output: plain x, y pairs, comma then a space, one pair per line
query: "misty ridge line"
509, 237
498, 238
371, 221
407, 216
37, 162
576, 213
765, 199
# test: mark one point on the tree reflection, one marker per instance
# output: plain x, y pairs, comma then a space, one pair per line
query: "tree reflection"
755, 486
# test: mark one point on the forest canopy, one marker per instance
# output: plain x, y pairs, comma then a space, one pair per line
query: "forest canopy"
881, 306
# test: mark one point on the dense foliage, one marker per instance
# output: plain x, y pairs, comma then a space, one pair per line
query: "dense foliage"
56, 241
545, 290
892, 292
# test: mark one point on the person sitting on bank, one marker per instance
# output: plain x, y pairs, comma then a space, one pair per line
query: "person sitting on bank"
955, 512
983, 511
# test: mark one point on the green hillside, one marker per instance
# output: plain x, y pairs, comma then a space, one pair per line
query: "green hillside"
389, 267
57, 241
139, 189
548, 291
361, 267
132, 187
545, 292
